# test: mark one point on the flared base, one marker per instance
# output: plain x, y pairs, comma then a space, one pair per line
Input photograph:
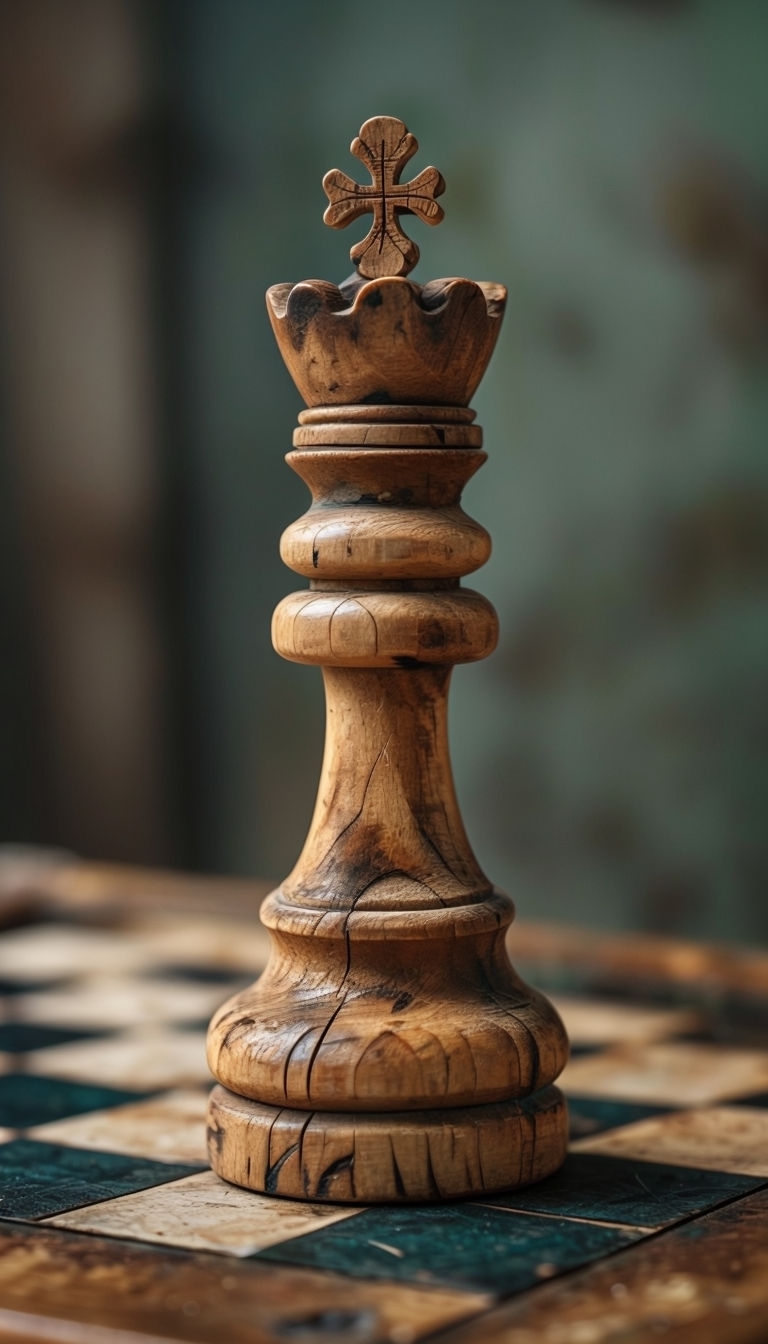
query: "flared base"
387, 1157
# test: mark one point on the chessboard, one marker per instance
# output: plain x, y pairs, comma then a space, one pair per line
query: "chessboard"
113, 1228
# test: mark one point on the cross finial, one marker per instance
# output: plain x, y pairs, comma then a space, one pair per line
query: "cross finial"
384, 145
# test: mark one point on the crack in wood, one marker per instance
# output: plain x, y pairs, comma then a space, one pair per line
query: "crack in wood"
337, 1168
273, 1173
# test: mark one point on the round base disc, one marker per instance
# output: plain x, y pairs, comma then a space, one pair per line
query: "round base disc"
393, 1157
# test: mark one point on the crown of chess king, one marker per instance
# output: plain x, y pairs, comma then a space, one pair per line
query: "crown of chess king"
425, 345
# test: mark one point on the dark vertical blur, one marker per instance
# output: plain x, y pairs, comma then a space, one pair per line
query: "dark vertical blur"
176, 163
88, 759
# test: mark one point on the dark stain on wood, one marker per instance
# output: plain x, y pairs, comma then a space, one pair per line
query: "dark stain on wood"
342, 1164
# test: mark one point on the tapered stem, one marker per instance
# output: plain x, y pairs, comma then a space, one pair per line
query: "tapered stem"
387, 832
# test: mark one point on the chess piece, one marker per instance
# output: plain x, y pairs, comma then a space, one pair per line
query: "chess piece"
389, 1052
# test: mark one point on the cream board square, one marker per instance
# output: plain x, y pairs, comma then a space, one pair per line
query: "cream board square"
203, 1213
231, 945
609, 1021
677, 1073
720, 1138
142, 1060
168, 1128
54, 950
114, 1002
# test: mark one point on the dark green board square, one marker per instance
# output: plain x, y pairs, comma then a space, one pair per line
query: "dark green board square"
31, 1099
9, 988
593, 1115
40, 1179
21, 1037
203, 974
466, 1245
623, 1190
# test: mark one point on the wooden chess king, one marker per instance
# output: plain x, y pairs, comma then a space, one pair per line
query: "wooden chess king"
389, 1052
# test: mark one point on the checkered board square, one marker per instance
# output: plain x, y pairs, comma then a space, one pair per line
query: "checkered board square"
103, 1086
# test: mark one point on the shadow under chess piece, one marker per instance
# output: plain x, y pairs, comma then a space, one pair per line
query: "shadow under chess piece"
389, 1052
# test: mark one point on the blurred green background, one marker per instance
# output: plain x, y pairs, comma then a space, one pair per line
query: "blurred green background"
160, 166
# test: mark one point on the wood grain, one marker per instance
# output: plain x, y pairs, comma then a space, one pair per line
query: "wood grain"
405, 1157
705, 1281
389, 988
384, 145
36, 881
389, 1051
388, 341
645, 962
59, 1286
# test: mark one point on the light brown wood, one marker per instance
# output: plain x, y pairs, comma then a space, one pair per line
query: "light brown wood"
60, 1287
384, 145
389, 1051
400, 1157
387, 342
40, 882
